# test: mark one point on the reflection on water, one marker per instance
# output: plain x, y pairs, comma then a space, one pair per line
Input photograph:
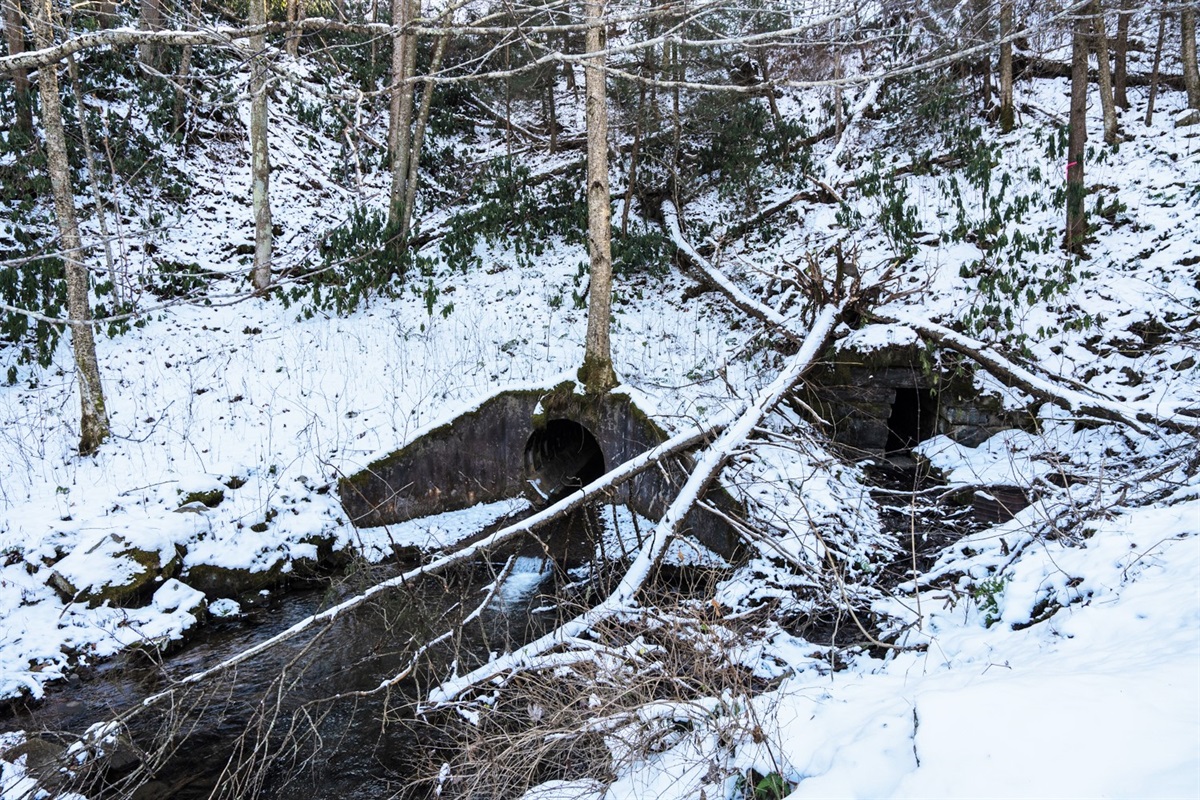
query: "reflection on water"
320, 716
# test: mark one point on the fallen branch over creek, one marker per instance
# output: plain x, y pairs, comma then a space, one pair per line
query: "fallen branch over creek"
593, 491
624, 598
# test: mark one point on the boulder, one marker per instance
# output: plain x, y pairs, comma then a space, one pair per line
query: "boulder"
113, 571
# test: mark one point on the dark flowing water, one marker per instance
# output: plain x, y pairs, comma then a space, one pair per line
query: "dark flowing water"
300, 721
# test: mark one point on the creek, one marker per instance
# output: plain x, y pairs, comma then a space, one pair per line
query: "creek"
299, 721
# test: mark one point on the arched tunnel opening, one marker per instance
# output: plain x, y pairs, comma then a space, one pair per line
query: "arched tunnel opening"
912, 421
560, 458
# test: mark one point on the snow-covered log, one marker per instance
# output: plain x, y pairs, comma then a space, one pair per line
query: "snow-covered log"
590, 493
740, 299
1074, 401
623, 598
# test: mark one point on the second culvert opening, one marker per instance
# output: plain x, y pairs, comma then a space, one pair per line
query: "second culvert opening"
913, 419
560, 458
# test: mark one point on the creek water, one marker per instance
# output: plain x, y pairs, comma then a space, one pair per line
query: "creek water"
300, 721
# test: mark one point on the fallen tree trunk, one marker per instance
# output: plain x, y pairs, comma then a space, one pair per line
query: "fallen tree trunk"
1036, 67
590, 493
713, 276
1077, 402
623, 598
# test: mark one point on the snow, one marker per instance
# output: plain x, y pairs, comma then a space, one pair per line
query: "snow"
1053, 655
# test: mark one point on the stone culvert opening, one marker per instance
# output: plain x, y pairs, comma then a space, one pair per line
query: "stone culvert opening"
560, 458
913, 419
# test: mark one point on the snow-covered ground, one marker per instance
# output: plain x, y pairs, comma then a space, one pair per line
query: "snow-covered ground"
1054, 655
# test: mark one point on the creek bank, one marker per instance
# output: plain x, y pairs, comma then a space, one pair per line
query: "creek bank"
333, 675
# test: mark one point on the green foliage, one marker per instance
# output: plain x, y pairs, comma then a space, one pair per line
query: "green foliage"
359, 258
897, 217
987, 594
175, 279
513, 212
643, 250
31, 283
739, 149
1020, 266
771, 787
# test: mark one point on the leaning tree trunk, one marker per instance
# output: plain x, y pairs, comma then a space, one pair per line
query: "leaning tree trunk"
597, 372
1105, 72
260, 162
1187, 51
404, 66
1007, 115
1077, 139
182, 78
89, 157
14, 37
418, 137
1154, 71
93, 418
1120, 55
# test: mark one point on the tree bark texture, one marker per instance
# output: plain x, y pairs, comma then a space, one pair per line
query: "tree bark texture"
151, 20
1077, 139
404, 64
182, 76
418, 138
293, 39
14, 37
89, 156
1187, 53
1120, 55
260, 162
597, 372
93, 417
1007, 115
1154, 71
1104, 70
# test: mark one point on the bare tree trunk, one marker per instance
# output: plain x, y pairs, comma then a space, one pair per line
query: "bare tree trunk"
260, 162
1077, 139
766, 76
1007, 115
182, 117
597, 372
14, 36
676, 75
93, 417
404, 60
1120, 55
838, 118
94, 179
1154, 72
508, 126
1187, 53
410, 197
1111, 134
152, 20
633, 160
552, 116
293, 39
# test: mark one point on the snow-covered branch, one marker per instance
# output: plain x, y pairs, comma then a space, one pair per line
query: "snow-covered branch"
1076, 402
623, 598
590, 493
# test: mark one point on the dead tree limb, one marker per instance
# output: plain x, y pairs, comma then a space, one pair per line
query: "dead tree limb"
590, 493
711, 275
1076, 402
624, 597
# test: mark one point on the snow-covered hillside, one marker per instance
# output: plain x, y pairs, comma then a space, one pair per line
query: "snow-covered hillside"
1053, 655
